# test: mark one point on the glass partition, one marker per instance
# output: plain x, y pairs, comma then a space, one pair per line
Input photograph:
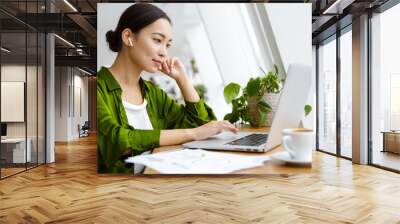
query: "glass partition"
346, 94
385, 85
22, 89
13, 94
327, 97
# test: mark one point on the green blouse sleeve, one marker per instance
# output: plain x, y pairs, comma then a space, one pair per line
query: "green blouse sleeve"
189, 115
114, 138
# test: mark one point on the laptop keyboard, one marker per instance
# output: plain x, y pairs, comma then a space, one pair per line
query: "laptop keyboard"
250, 140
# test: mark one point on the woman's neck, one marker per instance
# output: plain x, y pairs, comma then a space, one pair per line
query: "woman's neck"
125, 72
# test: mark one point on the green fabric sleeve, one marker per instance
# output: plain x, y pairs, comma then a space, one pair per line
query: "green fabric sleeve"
113, 139
189, 115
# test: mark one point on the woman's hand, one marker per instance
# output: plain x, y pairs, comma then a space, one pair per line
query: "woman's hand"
174, 68
212, 128
180, 136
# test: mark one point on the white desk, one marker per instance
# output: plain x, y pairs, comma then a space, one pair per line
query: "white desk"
17, 146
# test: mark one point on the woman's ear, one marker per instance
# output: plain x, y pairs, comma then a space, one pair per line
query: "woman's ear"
127, 37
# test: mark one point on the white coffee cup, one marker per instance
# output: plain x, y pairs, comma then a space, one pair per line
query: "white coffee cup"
299, 142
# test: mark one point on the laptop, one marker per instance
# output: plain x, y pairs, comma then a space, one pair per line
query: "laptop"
290, 111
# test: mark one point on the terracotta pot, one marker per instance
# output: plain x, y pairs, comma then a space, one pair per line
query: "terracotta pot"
255, 118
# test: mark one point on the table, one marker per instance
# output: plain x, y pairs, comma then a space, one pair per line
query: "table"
270, 167
15, 148
391, 141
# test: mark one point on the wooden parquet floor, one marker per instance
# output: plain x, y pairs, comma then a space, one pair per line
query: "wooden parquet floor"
71, 191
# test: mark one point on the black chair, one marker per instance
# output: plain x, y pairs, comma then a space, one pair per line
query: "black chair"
84, 130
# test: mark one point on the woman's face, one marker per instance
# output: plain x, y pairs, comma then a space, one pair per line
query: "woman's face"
150, 45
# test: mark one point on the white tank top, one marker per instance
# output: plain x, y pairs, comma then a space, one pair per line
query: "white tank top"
138, 118
137, 115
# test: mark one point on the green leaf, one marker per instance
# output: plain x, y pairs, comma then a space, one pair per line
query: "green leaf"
229, 117
235, 117
236, 104
307, 109
231, 91
263, 117
264, 106
253, 86
232, 117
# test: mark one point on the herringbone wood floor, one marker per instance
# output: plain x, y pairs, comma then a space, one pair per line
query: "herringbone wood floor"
70, 191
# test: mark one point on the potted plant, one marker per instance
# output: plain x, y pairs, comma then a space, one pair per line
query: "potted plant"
258, 107
250, 107
272, 83
253, 106
258, 102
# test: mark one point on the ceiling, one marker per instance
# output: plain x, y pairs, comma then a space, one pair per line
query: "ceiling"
332, 15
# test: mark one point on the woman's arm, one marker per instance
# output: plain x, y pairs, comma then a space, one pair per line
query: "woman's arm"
174, 68
189, 93
195, 112
179, 136
175, 136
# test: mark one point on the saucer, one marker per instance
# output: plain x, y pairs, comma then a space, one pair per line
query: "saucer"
285, 157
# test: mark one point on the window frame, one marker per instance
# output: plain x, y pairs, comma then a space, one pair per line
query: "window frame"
334, 37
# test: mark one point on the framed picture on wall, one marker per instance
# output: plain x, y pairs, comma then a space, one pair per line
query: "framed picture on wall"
12, 101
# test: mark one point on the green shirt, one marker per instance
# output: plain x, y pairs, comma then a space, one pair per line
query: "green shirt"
115, 135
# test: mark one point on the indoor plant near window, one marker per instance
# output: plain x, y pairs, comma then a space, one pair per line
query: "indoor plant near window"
252, 106
272, 83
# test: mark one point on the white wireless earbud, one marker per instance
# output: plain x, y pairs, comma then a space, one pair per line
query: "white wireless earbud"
130, 42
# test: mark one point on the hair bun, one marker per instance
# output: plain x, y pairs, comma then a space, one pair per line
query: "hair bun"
113, 41
135, 17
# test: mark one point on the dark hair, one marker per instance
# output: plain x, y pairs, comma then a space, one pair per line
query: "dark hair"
135, 17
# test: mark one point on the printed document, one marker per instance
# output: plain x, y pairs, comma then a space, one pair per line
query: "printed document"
197, 161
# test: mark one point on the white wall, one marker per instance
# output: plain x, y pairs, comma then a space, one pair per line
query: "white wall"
291, 23
292, 30
67, 116
61, 103
80, 102
33, 126
17, 73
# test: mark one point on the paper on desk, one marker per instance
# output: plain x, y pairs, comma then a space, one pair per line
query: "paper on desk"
197, 161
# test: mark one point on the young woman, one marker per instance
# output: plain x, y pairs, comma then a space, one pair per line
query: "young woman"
134, 115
